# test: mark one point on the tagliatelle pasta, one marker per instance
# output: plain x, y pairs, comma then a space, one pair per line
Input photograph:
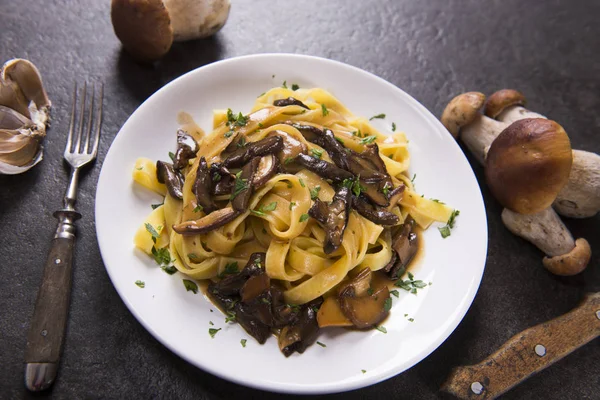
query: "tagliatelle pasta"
304, 251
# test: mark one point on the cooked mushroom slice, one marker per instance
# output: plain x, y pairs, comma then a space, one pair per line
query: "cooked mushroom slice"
210, 222
319, 211
405, 245
283, 313
187, 148
337, 218
291, 146
221, 179
231, 285
373, 191
290, 101
173, 179
242, 189
371, 154
255, 286
224, 302
267, 167
244, 315
323, 168
241, 156
326, 140
380, 217
364, 308
302, 333
395, 195
203, 186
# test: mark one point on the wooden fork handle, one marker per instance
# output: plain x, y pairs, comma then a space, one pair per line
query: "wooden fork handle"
527, 353
49, 322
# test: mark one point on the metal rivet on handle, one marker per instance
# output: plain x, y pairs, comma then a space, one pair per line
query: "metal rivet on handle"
540, 350
476, 388
57, 261
598, 314
44, 333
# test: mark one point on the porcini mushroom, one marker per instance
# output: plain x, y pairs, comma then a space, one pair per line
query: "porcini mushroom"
580, 198
363, 307
24, 110
526, 167
147, 28
462, 119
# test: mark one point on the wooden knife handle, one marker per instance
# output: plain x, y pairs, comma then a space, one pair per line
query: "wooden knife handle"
49, 322
527, 353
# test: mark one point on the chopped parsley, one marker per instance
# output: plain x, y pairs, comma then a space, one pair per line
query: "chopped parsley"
230, 269
262, 94
387, 305
340, 140
410, 285
140, 284
301, 182
265, 300
395, 293
284, 85
288, 160
170, 269
303, 217
161, 256
314, 193
260, 125
236, 120
411, 319
155, 206
230, 317
412, 180
364, 371
316, 153
393, 127
445, 230
140, 168
172, 156
437, 201
261, 211
321, 344
292, 204
378, 116
295, 87
216, 177
324, 110
152, 231
211, 323
381, 328
242, 142
243, 342
212, 332
198, 208
386, 189
239, 185
228, 134
190, 286
354, 185
368, 139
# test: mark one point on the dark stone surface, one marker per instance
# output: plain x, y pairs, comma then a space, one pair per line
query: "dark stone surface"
432, 49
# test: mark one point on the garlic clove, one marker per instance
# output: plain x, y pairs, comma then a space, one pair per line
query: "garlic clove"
29, 80
11, 96
9, 169
10, 119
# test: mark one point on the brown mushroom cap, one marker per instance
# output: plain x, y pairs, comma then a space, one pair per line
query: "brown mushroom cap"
528, 164
501, 100
571, 263
461, 111
143, 26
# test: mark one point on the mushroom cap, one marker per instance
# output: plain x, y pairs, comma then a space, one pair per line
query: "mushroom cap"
501, 100
528, 164
571, 263
143, 26
461, 111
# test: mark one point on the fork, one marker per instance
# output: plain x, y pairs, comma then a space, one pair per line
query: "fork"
48, 325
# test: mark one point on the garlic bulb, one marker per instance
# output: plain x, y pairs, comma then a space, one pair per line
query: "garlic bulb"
24, 107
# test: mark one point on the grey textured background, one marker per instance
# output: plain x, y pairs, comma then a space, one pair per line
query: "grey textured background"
550, 50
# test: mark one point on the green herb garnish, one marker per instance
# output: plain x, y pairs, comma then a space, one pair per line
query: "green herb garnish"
381, 328
242, 142
395, 293
387, 305
393, 127
292, 204
212, 332
228, 134
240, 184
386, 189
321, 344
314, 193
284, 85
190, 286
368, 139
354, 185
445, 230
304, 217
161, 256
288, 160
198, 208
340, 140
410, 285
152, 231
295, 87
155, 206
378, 116
169, 270
324, 110
243, 342
269, 207
316, 153
301, 182
230, 269
230, 317
172, 156
140, 284
364, 371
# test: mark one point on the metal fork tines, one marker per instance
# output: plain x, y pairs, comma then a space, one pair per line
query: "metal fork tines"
48, 324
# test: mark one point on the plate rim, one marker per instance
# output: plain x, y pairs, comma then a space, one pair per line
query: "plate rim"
337, 386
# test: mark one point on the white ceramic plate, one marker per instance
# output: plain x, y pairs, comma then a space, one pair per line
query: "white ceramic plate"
180, 319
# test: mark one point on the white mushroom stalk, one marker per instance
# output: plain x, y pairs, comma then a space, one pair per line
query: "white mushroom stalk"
24, 110
580, 198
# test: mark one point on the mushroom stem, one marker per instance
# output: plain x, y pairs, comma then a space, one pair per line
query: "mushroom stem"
544, 229
479, 135
580, 198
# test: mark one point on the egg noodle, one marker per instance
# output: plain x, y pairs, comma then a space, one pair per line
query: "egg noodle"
292, 241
